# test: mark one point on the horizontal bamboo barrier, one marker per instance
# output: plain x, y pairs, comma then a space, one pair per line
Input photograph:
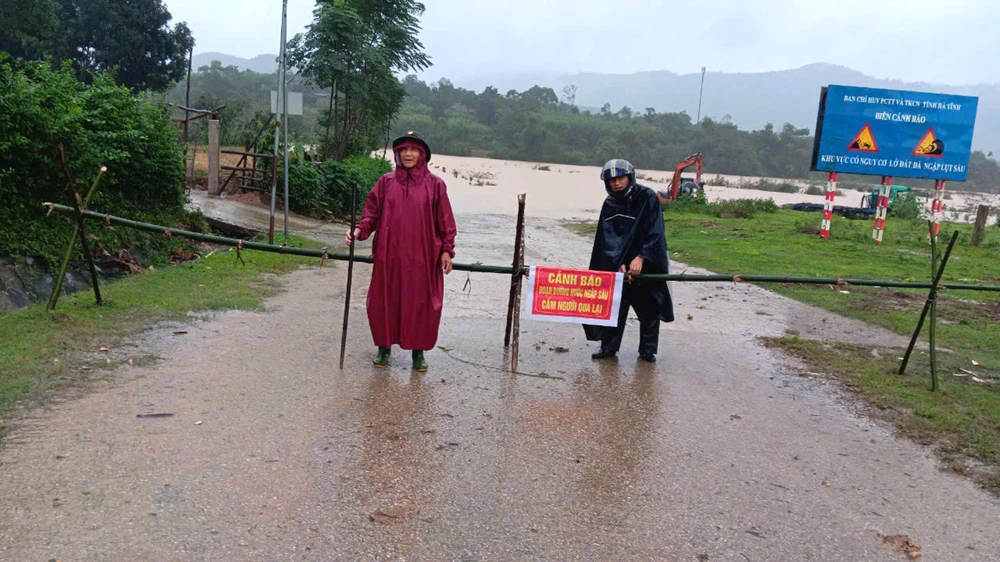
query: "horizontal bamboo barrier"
508, 270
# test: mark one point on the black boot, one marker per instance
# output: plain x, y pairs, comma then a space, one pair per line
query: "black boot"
604, 353
648, 356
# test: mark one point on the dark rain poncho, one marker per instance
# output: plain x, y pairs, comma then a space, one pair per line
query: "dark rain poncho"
632, 226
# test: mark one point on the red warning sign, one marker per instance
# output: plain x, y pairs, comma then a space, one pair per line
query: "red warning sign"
865, 141
929, 145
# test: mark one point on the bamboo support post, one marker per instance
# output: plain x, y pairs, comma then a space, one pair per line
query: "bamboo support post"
57, 286
516, 327
931, 298
515, 278
934, 377
74, 196
350, 273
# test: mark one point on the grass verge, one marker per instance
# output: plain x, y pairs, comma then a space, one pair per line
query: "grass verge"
41, 352
961, 421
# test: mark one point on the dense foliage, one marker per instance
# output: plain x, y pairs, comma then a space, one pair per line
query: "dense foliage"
355, 48
324, 189
100, 124
134, 38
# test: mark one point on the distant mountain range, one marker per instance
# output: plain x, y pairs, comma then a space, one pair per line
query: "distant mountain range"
749, 100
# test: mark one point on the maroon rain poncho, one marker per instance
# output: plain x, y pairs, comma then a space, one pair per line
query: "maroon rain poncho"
410, 215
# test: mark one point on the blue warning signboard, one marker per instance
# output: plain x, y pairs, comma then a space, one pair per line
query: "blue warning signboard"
894, 133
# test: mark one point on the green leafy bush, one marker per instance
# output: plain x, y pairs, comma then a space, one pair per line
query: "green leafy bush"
905, 206
324, 190
305, 189
696, 201
101, 124
732, 208
742, 208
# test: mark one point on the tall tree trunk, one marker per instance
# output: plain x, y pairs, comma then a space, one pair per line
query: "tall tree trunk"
388, 127
350, 125
336, 113
329, 120
344, 131
363, 125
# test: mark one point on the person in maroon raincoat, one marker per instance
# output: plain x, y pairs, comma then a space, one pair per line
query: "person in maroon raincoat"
409, 212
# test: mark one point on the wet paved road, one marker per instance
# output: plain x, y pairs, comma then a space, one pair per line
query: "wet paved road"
274, 454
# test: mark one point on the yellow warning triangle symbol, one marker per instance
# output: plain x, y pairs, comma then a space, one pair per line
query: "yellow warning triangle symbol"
930, 145
865, 141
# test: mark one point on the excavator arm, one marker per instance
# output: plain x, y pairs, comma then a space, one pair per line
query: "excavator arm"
695, 160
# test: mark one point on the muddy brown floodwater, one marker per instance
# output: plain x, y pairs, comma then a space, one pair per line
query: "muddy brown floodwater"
717, 452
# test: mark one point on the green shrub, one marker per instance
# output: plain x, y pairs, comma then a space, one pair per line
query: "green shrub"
815, 190
306, 189
733, 208
696, 201
325, 190
97, 124
905, 206
742, 208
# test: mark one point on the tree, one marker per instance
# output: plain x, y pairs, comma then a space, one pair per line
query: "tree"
569, 94
132, 35
27, 27
540, 97
444, 95
487, 105
100, 124
355, 47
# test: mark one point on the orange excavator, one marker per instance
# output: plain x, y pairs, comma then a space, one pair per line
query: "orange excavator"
681, 185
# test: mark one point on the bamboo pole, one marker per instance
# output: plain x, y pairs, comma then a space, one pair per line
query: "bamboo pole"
515, 279
934, 377
74, 196
931, 297
516, 325
507, 270
57, 287
350, 272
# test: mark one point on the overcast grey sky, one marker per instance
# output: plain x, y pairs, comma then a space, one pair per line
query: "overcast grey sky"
950, 42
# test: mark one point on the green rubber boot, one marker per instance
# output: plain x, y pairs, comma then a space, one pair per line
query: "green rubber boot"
419, 363
382, 359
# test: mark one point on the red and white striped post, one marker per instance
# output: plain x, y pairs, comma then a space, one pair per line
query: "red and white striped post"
831, 192
882, 210
937, 208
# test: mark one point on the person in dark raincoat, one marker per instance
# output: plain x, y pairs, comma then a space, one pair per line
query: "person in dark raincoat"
630, 239
409, 212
